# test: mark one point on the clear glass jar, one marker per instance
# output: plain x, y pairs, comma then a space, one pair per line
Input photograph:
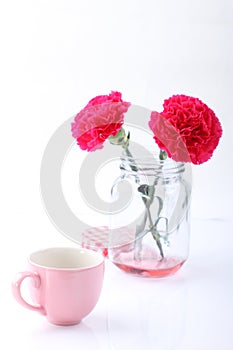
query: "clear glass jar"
157, 227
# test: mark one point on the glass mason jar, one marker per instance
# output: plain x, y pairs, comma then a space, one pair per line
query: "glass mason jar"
158, 217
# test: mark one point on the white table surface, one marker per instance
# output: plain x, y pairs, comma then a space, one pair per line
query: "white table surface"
191, 310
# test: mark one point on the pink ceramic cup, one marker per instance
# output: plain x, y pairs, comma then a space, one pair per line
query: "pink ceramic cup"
65, 283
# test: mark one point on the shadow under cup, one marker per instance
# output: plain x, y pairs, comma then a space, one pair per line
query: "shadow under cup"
65, 283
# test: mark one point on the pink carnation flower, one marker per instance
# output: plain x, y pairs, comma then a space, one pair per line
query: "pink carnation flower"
187, 129
102, 117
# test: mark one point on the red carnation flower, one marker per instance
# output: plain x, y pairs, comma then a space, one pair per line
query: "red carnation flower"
102, 117
187, 129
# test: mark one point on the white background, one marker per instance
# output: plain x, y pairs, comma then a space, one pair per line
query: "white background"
56, 55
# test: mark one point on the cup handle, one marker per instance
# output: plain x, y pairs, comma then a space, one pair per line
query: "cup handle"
16, 289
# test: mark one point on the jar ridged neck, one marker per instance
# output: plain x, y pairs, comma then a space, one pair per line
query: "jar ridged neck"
152, 166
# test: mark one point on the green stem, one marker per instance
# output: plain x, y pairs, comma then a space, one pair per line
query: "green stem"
162, 155
129, 154
155, 233
122, 139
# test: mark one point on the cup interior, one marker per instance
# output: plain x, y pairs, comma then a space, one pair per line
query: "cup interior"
66, 258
